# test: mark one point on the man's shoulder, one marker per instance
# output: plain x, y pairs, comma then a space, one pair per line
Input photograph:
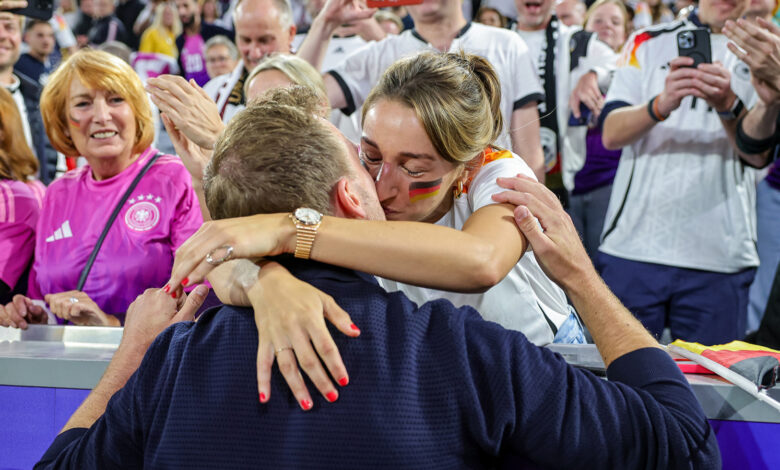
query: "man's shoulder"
209, 30
30, 88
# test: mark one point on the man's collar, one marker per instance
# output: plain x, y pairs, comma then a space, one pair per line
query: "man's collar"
310, 270
12, 88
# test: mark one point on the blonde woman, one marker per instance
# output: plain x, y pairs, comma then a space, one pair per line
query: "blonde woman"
428, 132
283, 70
160, 37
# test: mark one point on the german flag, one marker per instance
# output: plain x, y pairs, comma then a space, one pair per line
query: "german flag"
424, 190
757, 364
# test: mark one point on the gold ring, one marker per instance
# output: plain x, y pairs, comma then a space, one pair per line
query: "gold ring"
282, 349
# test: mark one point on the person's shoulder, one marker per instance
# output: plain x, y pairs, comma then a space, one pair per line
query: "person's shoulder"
17, 201
209, 30
28, 86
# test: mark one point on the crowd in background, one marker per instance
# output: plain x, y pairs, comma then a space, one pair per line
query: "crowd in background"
668, 210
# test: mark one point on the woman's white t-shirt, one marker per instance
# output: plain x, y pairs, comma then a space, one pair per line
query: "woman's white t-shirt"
526, 299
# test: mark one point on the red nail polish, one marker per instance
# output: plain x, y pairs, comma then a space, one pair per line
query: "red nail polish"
174, 294
332, 396
306, 405
262, 397
343, 381
185, 281
354, 327
167, 288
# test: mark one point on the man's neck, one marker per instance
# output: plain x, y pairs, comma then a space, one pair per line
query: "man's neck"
441, 33
193, 29
531, 29
7, 76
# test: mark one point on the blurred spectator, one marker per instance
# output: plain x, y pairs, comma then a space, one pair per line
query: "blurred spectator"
84, 22
106, 26
26, 93
65, 41
210, 12
678, 243
570, 12
20, 201
651, 12
574, 68
146, 17
191, 42
95, 106
160, 37
69, 10
221, 56
758, 141
127, 11
761, 9
284, 70
491, 17
442, 26
262, 27
118, 49
389, 22
36, 63
592, 183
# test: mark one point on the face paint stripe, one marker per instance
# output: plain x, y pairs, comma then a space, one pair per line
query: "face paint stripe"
74, 122
417, 192
420, 197
424, 184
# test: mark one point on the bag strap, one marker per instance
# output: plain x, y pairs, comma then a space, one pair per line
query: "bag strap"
93, 255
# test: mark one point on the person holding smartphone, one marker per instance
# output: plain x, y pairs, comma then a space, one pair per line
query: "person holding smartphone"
678, 242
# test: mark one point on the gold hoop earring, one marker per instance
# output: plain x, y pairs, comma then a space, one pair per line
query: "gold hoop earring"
457, 191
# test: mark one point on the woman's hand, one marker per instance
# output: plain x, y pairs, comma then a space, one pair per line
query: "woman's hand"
21, 312
76, 306
188, 106
250, 237
194, 157
290, 317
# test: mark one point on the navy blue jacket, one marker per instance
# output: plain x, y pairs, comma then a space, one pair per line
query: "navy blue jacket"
430, 387
47, 156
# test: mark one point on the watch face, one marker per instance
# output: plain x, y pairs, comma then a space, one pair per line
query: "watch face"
308, 216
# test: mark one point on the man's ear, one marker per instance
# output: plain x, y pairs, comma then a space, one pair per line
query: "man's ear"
293, 30
347, 202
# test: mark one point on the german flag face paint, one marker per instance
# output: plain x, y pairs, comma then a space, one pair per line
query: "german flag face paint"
423, 190
74, 122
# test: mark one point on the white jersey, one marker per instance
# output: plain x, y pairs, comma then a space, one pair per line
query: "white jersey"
220, 89
526, 299
595, 56
681, 196
508, 54
338, 50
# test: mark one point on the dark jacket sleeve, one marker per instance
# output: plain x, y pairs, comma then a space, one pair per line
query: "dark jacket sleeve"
47, 156
543, 411
116, 439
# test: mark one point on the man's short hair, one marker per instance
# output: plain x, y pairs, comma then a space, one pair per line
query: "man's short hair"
222, 40
285, 11
275, 156
33, 22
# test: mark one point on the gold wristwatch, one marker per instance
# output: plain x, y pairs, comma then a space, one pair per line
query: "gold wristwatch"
306, 221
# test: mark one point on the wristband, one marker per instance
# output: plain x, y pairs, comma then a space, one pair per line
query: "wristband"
749, 145
734, 112
652, 110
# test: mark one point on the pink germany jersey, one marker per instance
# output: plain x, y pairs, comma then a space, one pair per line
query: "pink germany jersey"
137, 254
20, 205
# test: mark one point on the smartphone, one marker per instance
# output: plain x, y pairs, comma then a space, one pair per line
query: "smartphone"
695, 43
38, 9
391, 3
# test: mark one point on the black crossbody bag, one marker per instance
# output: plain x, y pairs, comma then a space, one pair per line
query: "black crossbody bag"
93, 255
